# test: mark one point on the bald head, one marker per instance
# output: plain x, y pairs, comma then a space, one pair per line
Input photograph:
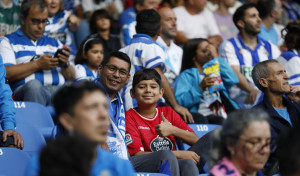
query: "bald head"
168, 23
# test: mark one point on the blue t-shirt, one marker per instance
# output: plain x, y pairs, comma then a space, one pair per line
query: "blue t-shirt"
284, 114
105, 164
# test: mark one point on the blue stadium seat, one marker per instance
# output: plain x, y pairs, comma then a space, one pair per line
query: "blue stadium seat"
34, 114
33, 139
13, 162
149, 174
200, 130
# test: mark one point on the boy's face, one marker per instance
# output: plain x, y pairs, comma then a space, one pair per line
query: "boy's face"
147, 92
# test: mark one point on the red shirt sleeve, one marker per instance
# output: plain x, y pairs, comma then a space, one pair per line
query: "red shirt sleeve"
132, 137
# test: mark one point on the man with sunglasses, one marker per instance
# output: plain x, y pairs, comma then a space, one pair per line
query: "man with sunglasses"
279, 98
33, 70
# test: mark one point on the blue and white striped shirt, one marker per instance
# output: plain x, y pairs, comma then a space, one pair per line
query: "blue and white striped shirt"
290, 60
16, 48
143, 53
237, 53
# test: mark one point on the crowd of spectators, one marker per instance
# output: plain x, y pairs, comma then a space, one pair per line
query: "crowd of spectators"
130, 76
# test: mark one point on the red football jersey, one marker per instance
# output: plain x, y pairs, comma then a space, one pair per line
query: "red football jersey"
141, 134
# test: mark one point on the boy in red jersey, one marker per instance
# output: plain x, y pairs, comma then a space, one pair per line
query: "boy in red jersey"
150, 128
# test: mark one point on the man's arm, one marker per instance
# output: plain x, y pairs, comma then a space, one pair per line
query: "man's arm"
168, 94
245, 85
180, 38
21, 71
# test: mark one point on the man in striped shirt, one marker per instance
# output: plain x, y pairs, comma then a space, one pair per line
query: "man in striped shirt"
32, 70
244, 51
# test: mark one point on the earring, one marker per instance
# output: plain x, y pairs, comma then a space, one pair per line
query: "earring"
232, 152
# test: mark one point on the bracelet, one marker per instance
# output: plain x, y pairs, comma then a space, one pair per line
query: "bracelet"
66, 65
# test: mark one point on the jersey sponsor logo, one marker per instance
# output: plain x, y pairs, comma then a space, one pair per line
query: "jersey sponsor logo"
247, 72
161, 143
128, 139
143, 128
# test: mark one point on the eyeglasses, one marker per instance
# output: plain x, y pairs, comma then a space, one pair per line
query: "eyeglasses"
38, 21
259, 145
112, 69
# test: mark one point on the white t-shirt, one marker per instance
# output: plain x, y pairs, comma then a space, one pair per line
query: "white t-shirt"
201, 25
91, 6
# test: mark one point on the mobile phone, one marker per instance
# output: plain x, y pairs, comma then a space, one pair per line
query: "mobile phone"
60, 51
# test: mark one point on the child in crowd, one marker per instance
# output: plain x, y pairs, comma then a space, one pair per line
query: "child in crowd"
150, 128
100, 27
193, 84
88, 58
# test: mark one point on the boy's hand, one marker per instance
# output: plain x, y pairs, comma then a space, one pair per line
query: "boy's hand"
187, 155
164, 128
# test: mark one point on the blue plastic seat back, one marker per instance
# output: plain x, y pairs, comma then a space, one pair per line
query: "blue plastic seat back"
33, 139
13, 162
33, 113
149, 174
200, 130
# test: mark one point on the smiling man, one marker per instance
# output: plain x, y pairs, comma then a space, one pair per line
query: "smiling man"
244, 51
34, 73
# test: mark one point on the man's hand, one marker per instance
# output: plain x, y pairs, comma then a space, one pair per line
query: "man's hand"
47, 62
187, 155
251, 97
295, 94
187, 116
207, 81
164, 129
64, 56
18, 140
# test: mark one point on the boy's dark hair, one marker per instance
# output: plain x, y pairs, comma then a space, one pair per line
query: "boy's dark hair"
70, 94
265, 7
148, 22
98, 14
240, 13
26, 4
67, 155
86, 45
136, 2
120, 55
146, 74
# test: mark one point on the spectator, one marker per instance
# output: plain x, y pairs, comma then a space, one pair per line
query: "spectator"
224, 19
100, 27
269, 12
244, 51
61, 24
88, 58
114, 7
213, 5
291, 11
288, 152
160, 125
83, 110
114, 74
290, 59
32, 70
165, 40
127, 20
71, 155
243, 144
145, 53
8, 137
9, 17
271, 78
192, 85
194, 21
